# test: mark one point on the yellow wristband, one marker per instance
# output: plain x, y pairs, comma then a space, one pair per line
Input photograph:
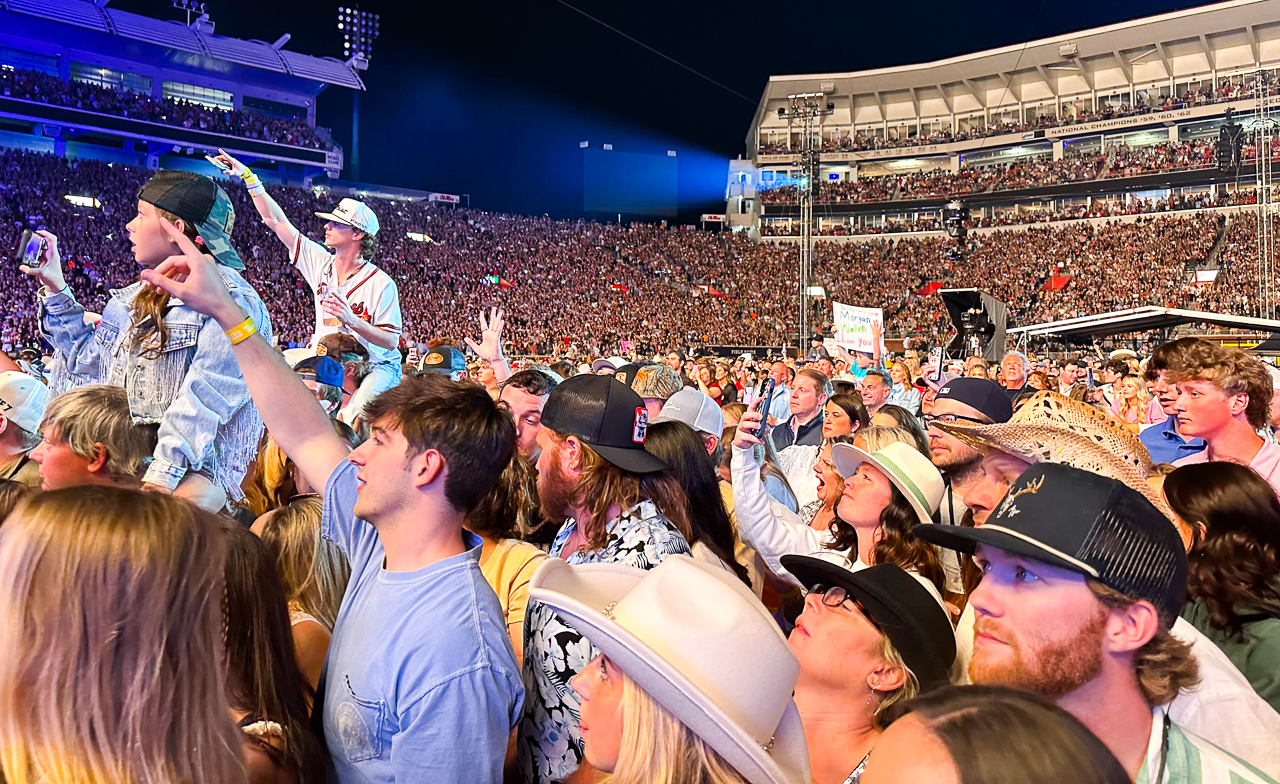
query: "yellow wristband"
241, 332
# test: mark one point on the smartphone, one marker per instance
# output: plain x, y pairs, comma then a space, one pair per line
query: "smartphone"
935, 357
219, 164
1088, 378
30, 249
764, 393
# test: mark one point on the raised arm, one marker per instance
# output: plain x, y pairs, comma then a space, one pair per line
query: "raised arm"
289, 410
268, 210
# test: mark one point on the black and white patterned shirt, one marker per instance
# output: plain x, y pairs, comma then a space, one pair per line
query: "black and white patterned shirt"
550, 747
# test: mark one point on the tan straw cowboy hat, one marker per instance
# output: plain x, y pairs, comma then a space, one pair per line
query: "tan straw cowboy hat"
1053, 428
696, 639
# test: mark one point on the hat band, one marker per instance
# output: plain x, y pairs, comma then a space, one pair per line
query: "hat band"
1086, 568
906, 480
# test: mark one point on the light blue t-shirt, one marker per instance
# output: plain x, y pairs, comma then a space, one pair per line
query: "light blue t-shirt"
420, 681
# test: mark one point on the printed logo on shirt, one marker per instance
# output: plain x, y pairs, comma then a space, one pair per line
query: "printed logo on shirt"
359, 311
641, 425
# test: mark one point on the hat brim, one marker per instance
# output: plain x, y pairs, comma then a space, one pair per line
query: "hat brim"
579, 595
601, 364
904, 632
219, 244
966, 540
848, 457
637, 460
329, 216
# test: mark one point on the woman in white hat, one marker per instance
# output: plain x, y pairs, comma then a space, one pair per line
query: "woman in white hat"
694, 680
889, 488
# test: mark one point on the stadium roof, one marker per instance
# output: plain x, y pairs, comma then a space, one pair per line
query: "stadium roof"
1121, 322
180, 37
1195, 43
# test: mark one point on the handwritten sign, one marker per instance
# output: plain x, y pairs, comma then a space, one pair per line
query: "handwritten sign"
853, 326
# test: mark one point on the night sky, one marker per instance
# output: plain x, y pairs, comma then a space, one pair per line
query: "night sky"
492, 99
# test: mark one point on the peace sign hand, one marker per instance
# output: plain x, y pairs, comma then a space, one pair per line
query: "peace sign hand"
193, 277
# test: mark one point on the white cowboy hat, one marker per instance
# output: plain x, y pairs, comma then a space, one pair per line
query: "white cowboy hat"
909, 471
697, 640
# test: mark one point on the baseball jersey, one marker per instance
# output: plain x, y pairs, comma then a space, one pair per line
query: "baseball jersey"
370, 292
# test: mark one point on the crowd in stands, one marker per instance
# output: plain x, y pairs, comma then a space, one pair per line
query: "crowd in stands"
119, 102
843, 142
578, 285
1033, 172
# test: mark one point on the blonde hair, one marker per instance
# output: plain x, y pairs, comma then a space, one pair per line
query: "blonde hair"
271, 483
657, 748
313, 569
910, 686
1164, 666
877, 437
84, 417
110, 647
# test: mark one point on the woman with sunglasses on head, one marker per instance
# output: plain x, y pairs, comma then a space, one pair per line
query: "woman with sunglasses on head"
865, 640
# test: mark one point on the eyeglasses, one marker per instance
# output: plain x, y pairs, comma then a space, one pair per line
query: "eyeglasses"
835, 596
929, 419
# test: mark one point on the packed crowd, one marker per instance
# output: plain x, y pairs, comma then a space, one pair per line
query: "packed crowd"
582, 286
659, 568
842, 141
1033, 172
120, 102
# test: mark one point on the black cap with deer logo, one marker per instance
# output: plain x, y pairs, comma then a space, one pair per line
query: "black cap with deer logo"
1087, 523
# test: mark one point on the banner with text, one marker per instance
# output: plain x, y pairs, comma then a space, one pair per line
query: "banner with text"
853, 326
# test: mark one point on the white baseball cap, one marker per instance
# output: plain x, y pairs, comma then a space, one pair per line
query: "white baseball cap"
22, 399
694, 408
355, 214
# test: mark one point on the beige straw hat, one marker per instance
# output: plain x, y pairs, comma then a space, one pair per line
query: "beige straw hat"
1053, 428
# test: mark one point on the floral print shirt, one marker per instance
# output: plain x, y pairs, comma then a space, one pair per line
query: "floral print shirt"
550, 747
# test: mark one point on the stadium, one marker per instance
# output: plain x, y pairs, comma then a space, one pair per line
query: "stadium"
1101, 146
932, 436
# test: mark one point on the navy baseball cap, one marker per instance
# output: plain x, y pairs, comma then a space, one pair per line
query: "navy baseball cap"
607, 416
1086, 523
324, 370
444, 360
985, 396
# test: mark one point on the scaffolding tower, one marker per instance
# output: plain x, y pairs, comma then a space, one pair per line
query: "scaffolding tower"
803, 110
1264, 133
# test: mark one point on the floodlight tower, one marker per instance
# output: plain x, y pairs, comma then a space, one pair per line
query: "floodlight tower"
358, 29
803, 110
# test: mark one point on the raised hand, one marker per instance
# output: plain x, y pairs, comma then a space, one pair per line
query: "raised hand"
235, 167
193, 277
490, 346
749, 425
49, 272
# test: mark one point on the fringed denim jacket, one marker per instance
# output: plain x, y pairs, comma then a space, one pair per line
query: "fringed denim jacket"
193, 389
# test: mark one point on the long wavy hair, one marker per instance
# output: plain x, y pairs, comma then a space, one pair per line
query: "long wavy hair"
603, 485
509, 510
657, 748
681, 448
149, 304
111, 664
263, 679
314, 571
1235, 559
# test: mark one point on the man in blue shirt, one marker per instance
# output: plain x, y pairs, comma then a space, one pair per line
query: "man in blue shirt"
420, 682
1163, 441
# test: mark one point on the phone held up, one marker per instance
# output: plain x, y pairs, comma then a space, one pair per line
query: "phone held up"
764, 394
29, 250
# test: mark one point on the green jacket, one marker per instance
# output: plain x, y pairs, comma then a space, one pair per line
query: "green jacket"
1256, 653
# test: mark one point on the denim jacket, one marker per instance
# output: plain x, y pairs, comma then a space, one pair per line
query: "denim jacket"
193, 389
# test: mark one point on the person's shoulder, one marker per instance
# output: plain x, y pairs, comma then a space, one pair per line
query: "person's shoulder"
1203, 760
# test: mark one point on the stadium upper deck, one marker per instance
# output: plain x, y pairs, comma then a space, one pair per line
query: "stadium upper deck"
1159, 69
138, 89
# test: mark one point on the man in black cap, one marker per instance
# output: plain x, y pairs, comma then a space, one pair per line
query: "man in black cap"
619, 504
975, 400
446, 361
1083, 579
